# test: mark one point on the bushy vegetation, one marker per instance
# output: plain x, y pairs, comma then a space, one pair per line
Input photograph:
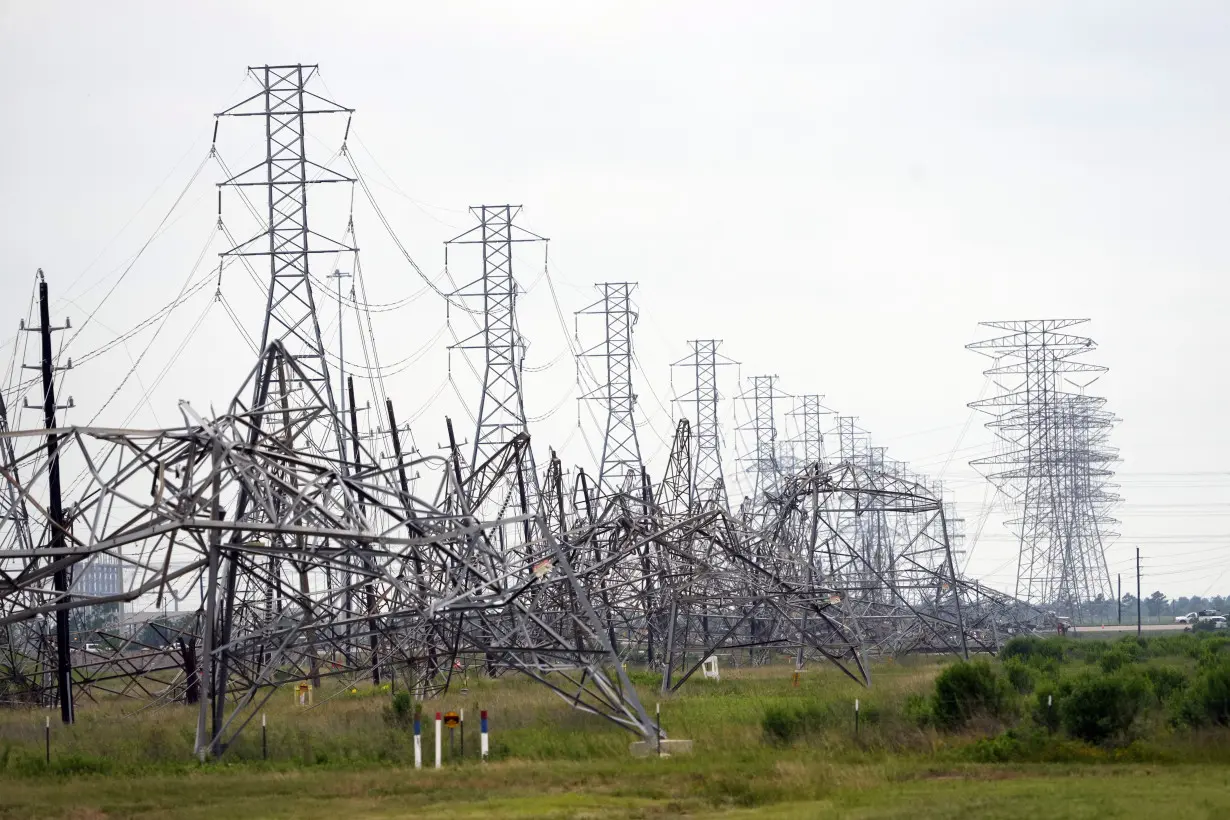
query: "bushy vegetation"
971, 689
1105, 694
1105, 708
400, 711
1207, 700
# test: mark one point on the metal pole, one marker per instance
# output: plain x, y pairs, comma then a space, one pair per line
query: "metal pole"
956, 589
1120, 599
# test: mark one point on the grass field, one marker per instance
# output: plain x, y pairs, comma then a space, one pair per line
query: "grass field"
344, 758
795, 785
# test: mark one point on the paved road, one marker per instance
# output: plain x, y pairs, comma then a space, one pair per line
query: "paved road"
1086, 630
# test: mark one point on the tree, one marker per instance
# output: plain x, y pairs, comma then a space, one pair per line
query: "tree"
1129, 604
1155, 602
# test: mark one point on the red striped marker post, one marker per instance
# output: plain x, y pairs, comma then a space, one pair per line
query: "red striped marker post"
483, 740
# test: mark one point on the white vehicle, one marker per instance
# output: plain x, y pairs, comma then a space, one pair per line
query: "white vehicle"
1218, 621
1189, 618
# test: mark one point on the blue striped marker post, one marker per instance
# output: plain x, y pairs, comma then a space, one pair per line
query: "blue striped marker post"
483, 741
418, 740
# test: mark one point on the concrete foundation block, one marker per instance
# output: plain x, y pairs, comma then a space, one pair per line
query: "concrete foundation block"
670, 746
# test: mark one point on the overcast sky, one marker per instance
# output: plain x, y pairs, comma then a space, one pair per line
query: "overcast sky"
839, 191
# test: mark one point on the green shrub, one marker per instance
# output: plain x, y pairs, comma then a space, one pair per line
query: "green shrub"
917, 710
1104, 709
1116, 659
782, 724
1020, 745
1033, 650
1022, 678
1166, 680
400, 711
968, 689
1045, 709
1207, 700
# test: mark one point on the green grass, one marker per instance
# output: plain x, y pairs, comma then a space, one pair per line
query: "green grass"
793, 785
343, 757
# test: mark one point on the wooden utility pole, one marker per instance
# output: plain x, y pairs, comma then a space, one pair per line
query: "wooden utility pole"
55, 505
1138, 592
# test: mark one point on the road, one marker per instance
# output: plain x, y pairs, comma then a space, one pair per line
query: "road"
1092, 630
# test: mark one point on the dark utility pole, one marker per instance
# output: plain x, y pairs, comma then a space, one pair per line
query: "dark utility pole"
1120, 599
55, 506
1138, 592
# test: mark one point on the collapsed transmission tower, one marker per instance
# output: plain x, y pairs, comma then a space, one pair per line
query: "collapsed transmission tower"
621, 452
1054, 461
707, 479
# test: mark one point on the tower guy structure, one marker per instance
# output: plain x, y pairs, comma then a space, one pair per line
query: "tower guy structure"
1054, 462
708, 482
621, 451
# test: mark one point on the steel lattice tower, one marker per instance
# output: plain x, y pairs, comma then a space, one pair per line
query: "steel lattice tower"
851, 445
284, 102
621, 452
501, 407
707, 479
1054, 462
762, 458
808, 447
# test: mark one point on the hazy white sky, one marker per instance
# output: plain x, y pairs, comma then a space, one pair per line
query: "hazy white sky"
840, 191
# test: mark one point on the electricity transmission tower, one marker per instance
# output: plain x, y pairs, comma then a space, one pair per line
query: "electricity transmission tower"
501, 407
1055, 459
621, 452
808, 447
707, 479
762, 458
284, 103
851, 441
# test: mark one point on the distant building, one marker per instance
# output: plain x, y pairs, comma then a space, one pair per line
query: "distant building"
98, 577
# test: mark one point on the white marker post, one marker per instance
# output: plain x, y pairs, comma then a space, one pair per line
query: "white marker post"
418, 740
483, 736
439, 734
856, 717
